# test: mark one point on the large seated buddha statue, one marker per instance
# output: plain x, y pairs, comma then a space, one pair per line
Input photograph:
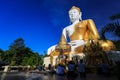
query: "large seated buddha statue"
79, 33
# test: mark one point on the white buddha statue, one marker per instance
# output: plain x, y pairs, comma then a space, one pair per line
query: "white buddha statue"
79, 32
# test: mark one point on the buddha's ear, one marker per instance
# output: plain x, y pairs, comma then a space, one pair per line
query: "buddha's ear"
80, 16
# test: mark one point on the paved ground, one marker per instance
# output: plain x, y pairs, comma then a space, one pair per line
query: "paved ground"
39, 76
89, 77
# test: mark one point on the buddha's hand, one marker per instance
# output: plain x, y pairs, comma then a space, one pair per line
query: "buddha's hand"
77, 43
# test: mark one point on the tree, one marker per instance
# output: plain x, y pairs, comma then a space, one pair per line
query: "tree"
117, 44
23, 55
19, 54
94, 54
115, 17
16, 49
113, 27
17, 44
1, 54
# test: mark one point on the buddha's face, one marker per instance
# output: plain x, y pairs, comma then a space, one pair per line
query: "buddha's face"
74, 15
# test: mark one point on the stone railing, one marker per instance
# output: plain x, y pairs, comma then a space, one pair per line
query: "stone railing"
15, 68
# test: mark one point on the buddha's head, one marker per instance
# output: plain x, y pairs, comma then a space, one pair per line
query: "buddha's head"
74, 14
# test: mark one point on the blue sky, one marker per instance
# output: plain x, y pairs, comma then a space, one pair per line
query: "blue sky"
40, 22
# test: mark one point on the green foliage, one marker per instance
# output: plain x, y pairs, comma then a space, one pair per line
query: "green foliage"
117, 45
114, 17
19, 54
113, 27
1, 54
17, 44
94, 54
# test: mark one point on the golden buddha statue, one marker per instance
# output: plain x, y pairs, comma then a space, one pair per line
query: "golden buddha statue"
79, 32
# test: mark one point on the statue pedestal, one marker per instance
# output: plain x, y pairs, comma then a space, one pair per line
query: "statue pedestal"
78, 57
46, 61
54, 60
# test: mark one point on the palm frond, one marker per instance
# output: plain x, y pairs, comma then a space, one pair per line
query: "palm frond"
114, 17
113, 27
